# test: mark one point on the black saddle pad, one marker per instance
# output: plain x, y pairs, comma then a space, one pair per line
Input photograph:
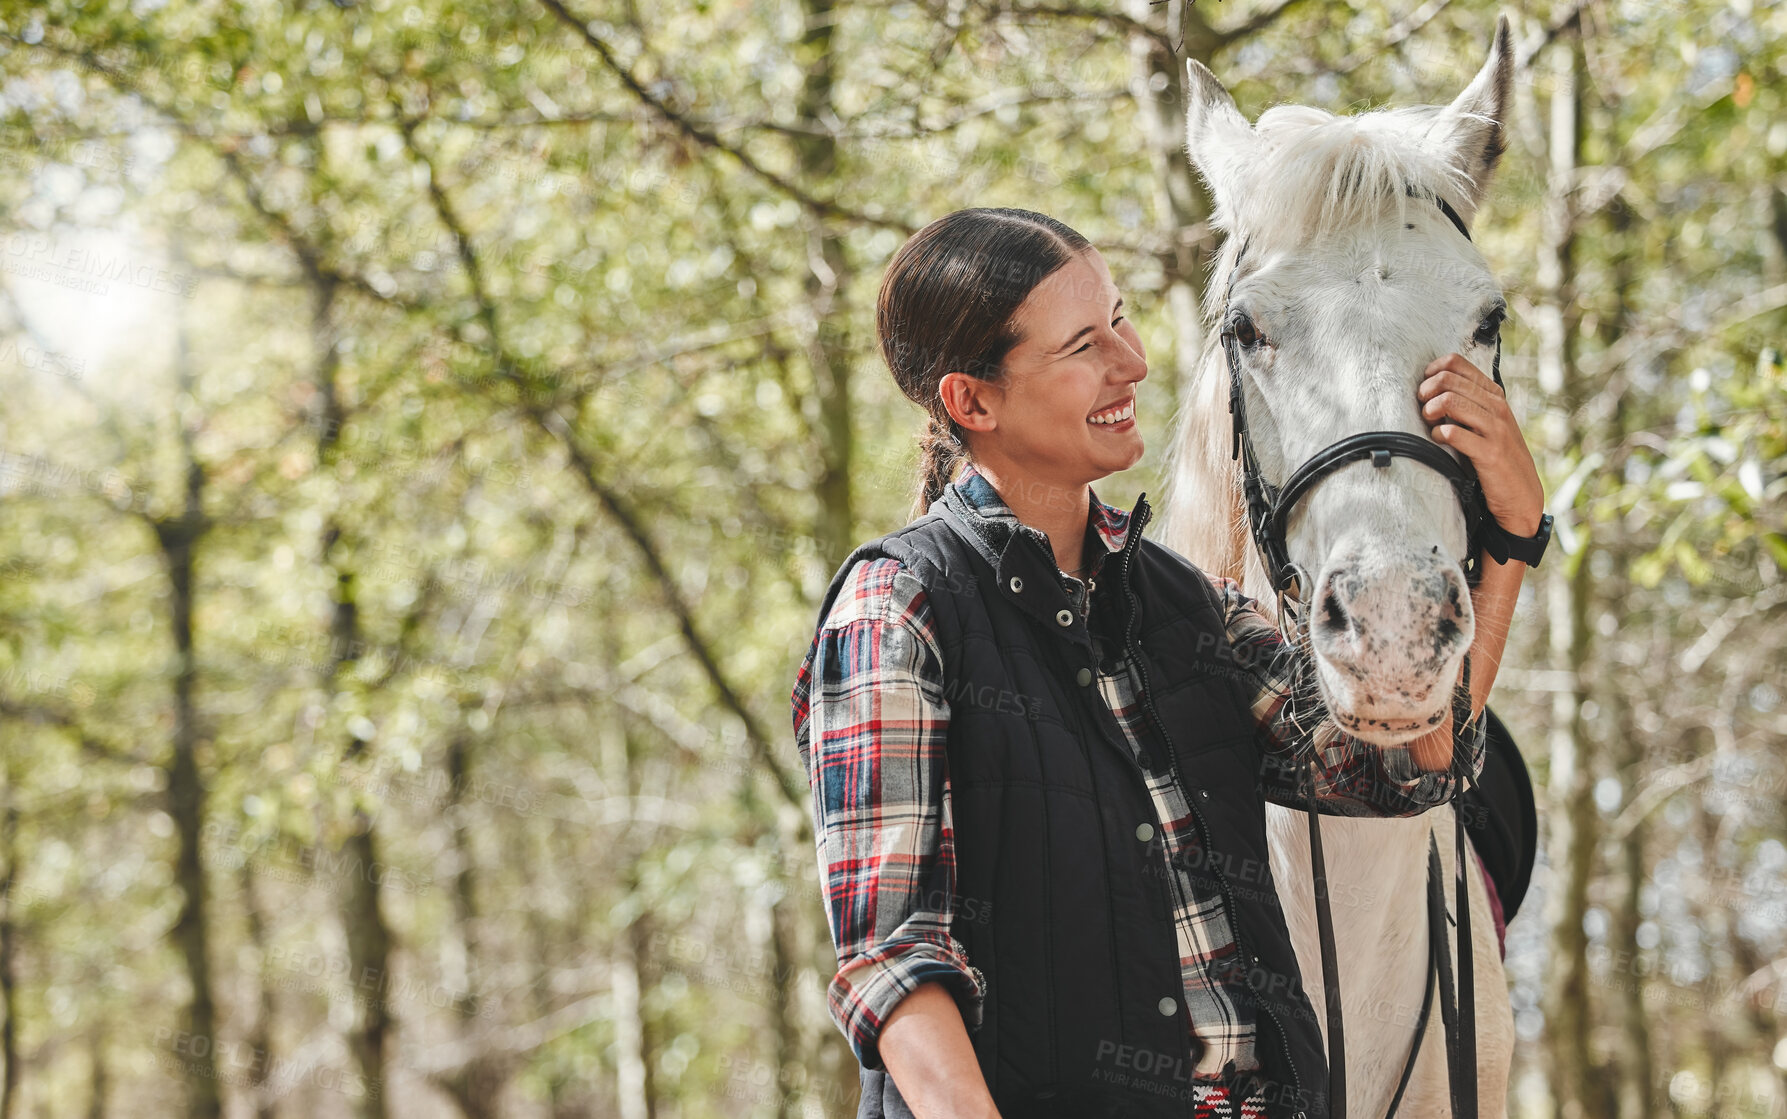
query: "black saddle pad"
1502, 818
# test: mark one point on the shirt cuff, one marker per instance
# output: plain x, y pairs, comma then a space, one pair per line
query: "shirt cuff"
865, 991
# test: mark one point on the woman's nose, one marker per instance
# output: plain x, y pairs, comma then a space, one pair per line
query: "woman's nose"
1136, 365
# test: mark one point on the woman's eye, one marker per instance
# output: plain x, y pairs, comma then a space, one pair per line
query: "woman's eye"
1087, 345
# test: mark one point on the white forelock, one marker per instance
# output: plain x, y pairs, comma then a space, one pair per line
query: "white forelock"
1307, 171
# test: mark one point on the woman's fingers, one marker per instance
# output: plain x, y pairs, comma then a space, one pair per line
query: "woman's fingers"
1453, 389
1480, 451
1468, 412
1458, 365
1460, 408
1464, 379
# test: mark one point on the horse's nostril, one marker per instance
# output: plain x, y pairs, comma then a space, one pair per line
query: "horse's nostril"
1334, 616
1446, 636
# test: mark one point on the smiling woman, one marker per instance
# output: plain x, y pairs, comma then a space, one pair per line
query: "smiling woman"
1064, 411
991, 316
1127, 953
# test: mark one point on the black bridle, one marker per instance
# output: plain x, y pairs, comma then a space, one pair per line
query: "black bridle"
1268, 509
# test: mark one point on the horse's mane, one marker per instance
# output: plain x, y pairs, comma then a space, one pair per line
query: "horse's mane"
1307, 172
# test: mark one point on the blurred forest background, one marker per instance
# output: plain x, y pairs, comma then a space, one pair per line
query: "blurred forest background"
426, 428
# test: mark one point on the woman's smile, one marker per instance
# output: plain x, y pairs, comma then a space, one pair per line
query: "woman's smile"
1118, 417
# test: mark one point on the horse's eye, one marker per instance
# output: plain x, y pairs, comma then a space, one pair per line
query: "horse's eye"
1491, 327
1241, 326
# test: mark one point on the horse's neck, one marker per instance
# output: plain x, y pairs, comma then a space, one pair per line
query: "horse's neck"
1377, 882
1377, 872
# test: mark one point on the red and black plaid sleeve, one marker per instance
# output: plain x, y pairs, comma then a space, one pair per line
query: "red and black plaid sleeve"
871, 723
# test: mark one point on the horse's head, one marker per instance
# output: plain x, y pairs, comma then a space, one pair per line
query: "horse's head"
1343, 275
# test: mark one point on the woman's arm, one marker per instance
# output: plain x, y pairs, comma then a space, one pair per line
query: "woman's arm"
1469, 412
927, 1052
871, 723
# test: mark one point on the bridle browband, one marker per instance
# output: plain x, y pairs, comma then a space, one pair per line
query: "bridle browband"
1268, 509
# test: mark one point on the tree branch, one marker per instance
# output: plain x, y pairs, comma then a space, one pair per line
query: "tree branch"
795, 789
1260, 21
1399, 33
1116, 20
64, 720
685, 125
611, 502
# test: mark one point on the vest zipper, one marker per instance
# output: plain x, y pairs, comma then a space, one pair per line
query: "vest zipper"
1133, 652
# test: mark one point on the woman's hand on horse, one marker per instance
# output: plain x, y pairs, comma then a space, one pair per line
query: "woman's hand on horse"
1469, 413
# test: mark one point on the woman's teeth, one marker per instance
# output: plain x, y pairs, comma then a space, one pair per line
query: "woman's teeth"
1115, 415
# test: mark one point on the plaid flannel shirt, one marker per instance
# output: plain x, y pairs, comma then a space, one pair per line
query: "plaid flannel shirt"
871, 723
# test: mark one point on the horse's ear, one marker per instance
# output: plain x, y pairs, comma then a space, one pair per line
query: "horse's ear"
1472, 131
1217, 137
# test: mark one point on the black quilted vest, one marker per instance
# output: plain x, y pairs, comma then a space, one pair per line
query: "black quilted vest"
1062, 905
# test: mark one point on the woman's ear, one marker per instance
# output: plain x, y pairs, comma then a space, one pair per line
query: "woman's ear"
971, 402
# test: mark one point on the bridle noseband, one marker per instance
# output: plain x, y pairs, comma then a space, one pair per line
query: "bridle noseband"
1268, 509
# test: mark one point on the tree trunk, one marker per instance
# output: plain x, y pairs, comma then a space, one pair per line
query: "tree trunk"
785, 1007
1712, 918
1569, 788
9, 991
827, 277
1634, 1071
178, 538
1181, 207
100, 1094
260, 1038
631, 1060
476, 1085
368, 935
369, 954
829, 354
567, 1094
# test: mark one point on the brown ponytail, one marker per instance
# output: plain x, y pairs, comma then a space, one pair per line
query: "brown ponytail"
939, 455
946, 305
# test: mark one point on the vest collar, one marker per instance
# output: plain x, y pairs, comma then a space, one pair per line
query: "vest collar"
985, 511
1022, 560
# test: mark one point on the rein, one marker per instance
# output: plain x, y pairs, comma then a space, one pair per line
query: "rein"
1268, 509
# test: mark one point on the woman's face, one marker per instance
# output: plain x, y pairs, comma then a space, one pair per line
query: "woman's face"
1065, 410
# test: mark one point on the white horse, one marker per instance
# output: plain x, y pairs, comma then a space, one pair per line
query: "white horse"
1353, 279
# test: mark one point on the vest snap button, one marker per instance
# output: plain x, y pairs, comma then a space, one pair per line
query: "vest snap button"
1168, 1006
1064, 617
1083, 677
1017, 585
1144, 832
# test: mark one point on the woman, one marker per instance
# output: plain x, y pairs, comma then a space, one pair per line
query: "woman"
1038, 743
